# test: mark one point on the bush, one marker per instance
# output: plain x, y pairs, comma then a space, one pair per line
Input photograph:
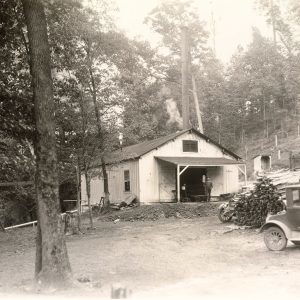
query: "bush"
252, 210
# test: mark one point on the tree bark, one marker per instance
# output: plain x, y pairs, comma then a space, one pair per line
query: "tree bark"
52, 264
78, 204
1, 226
100, 136
273, 24
84, 154
88, 193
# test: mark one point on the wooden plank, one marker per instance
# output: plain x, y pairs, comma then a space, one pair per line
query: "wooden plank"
35, 222
69, 200
21, 225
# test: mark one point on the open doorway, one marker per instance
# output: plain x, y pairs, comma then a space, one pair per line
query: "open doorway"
192, 184
265, 162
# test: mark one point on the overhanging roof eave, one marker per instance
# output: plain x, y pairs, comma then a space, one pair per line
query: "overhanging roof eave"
200, 161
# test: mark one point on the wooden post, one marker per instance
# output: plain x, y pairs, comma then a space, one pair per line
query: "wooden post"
178, 183
184, 77
291, 160
279, 154
246, 180
219, 139
276, 140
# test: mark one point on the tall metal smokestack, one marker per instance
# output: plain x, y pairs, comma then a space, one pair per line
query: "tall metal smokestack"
185, 53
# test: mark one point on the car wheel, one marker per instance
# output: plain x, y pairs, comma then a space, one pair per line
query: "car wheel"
296, 243
275, 239
223, 215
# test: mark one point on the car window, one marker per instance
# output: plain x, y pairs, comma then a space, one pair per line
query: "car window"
296, 197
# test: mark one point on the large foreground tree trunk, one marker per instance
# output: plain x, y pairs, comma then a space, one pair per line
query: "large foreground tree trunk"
1, 226
52, 263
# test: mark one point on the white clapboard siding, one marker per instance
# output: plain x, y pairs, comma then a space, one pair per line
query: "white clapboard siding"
116, 183
150, 188
153, 181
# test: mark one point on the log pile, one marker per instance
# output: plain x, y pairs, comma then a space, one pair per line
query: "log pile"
252, 208
282, 178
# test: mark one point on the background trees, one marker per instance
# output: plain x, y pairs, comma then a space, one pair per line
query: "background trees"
104, 80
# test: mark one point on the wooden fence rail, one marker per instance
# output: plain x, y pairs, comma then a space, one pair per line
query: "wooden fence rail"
33, 223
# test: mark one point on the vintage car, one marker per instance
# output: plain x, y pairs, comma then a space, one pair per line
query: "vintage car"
284, 226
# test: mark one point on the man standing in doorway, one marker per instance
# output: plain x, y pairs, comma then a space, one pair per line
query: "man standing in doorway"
208, 188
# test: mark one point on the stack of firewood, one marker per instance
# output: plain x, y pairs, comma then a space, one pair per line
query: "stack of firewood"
252, 209
282, 178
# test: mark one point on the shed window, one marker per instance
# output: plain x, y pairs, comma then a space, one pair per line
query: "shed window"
189, 146
126, 181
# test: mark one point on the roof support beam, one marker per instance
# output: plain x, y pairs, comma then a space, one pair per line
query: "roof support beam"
178, 180
244, 172
183, 170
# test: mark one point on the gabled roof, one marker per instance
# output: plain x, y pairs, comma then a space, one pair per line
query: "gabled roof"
138, 150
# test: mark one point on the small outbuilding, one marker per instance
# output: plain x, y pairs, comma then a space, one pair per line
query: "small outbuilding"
262, 163
172, 168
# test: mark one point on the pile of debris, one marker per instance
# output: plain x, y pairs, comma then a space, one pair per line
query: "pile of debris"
252, 209
129, 202
160, 211
281, 178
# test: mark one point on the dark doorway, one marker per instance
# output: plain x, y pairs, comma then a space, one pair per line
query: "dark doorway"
265, 163
192, 184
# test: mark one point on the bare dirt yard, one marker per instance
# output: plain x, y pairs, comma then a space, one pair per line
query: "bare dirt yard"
171, 257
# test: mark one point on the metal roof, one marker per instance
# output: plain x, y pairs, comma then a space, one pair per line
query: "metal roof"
200, 161
137, 150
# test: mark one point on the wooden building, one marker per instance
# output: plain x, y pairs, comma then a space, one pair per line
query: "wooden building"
262, 163
167, 169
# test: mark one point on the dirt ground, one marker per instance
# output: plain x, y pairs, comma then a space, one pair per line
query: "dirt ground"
168, 258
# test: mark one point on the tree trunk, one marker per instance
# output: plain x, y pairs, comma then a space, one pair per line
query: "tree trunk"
78, 196
100, 136
273, 24
52, 264
197, 106
88, 193
38, 250
85, 163
105, 183
1, 226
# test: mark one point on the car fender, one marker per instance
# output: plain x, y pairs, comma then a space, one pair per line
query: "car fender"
223, 205
287, 231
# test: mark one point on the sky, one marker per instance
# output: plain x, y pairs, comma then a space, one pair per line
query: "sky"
234, 21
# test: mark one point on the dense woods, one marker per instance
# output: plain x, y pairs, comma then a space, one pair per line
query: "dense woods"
105, 83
